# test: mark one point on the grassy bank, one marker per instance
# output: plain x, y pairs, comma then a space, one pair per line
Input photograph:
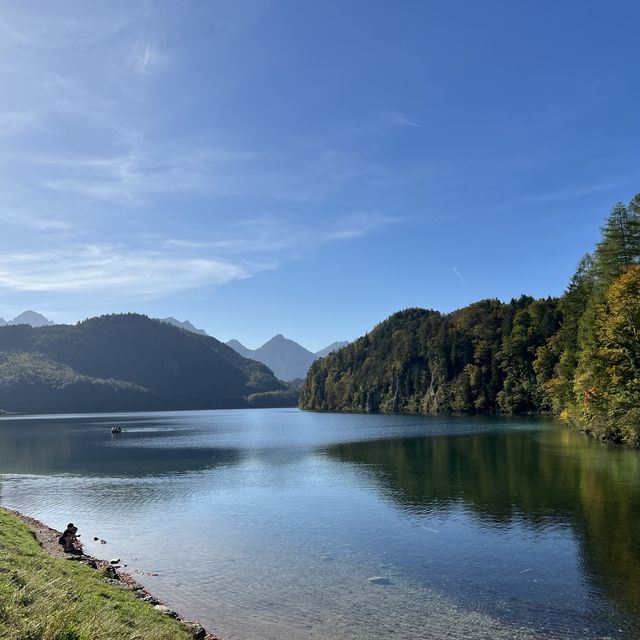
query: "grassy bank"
46, 598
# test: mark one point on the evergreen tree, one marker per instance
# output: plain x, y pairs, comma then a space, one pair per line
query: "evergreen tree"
620, 244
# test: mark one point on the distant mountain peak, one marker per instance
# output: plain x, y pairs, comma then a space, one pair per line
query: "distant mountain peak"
32, 318
334, 346
186, 325
285, 357
279, 338
238, 347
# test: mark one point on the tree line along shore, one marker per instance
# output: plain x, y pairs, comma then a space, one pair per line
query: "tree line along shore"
576, 356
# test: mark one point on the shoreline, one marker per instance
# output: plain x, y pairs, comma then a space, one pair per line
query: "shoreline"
47, 538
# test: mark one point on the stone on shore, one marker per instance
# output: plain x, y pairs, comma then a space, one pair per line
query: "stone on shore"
166, 610
111, 573
197, 631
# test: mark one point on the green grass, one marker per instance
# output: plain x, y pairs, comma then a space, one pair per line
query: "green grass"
45, 598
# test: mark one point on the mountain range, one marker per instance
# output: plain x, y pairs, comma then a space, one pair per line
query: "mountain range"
128, 362
286, 358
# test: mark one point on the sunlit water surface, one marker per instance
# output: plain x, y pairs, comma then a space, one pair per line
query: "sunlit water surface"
271, 524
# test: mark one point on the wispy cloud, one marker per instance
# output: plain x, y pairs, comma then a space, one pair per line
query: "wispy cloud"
146, 167
138, 174
69, 96
105, 268
137, 204
28, 219
146, 56
54, 29
286, 235
360, 224
10, 35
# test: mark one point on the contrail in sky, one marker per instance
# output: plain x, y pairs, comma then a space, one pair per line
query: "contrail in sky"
458, 274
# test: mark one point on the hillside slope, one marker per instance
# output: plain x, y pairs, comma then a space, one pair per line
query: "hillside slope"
123, 362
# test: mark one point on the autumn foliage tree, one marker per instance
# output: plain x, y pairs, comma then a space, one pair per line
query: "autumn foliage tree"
611, 407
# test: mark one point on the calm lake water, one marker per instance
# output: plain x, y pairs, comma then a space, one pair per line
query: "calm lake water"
270, 524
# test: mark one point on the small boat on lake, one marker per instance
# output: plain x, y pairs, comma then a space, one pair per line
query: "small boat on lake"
116, 429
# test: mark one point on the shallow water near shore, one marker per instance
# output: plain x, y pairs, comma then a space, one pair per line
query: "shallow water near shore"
287, 524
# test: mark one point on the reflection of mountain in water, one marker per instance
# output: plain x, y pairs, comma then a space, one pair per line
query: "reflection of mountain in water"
559, 479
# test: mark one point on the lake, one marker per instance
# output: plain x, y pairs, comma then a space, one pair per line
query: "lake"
281, 524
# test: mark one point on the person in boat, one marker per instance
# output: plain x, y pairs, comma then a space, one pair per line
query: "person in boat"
69, 539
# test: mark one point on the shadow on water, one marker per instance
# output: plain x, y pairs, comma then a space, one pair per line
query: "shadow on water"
544, 480
43, 446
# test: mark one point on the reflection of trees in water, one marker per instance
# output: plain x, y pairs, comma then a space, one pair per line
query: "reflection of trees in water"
38, 447
560, 478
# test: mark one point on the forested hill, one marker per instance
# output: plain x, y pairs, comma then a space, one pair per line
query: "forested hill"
577, 356
480, 358
123, 362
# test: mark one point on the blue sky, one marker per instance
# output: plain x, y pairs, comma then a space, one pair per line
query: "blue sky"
307, 168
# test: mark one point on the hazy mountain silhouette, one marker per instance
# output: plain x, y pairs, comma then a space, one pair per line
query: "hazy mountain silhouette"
186, 325
124, 362
32, 318
286, 358
236, 345
334, 346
